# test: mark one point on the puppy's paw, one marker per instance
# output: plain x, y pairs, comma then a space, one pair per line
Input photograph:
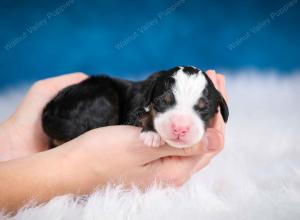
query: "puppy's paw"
151, 138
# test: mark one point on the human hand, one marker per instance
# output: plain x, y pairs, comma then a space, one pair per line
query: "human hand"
174, 168
22, 133
110, 154
115, 154
215, 134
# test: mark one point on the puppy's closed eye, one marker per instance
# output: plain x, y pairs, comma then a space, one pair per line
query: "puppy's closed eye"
169, 98
163, 102
201, 106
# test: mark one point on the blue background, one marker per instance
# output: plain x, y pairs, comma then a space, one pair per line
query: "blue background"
85, 34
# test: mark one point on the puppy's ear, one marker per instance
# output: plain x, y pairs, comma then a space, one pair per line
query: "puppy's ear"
220, 99
150, 84
148, 92
223, 106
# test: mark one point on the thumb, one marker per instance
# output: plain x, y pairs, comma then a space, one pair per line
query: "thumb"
173, 170
215, 139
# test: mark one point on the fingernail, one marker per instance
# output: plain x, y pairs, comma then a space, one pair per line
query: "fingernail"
212, 143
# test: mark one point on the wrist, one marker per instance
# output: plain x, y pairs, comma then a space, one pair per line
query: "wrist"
78, 169
6, 151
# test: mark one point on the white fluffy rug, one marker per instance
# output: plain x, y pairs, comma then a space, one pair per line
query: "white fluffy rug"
257, 176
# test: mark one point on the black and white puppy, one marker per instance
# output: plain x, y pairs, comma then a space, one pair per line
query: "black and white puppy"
172, 106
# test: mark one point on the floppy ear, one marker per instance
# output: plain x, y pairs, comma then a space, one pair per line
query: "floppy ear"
223, 106
220, 99
148, 92
142, 116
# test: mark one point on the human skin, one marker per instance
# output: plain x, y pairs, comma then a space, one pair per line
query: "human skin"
111, 154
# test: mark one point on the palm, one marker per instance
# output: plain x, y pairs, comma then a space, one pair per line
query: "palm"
24, 127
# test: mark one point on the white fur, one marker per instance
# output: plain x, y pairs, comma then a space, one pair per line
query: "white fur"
256, 176
187, 90
151, 138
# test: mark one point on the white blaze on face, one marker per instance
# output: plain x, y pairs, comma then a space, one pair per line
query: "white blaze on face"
188, 88
180, 126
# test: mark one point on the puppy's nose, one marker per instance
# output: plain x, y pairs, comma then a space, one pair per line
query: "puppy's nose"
180, 125
180, 130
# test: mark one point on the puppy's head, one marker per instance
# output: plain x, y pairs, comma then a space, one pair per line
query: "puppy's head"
181, 101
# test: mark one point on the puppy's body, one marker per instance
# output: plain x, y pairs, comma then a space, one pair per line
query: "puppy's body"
96, 102
174, 105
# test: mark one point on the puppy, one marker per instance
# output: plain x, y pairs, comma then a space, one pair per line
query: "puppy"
172, 106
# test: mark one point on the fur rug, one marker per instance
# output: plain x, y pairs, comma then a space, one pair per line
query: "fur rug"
257, 176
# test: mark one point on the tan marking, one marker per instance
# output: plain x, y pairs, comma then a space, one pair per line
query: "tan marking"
57, 142
168, 98
201, 104
148, 117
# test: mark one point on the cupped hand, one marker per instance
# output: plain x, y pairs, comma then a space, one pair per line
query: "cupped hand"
115, 154
22, 132
112, 153
215, 134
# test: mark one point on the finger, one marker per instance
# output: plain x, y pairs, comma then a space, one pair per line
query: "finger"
42, 91
166, 150
217, 123
148, 154
204, 161
212, 75
215, 139
62, 81
215, 145
131, 141
215, 134
54, 84
174, 170
221, 86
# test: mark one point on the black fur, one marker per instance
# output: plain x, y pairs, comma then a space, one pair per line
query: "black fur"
95, 102
214, 99
102, 101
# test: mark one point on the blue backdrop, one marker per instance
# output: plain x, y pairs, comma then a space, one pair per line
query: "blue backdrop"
39, 39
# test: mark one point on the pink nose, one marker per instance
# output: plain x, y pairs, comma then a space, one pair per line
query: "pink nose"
180, 130
180, 125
